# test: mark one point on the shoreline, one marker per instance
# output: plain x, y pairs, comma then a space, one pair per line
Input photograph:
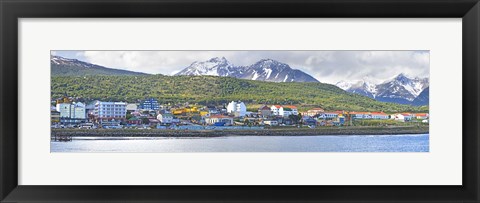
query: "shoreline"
224, 133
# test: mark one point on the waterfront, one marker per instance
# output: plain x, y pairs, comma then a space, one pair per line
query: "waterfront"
324, 143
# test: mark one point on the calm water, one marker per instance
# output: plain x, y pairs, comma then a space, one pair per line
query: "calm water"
361, 143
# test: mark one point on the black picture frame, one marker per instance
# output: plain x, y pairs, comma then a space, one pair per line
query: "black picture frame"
12, 10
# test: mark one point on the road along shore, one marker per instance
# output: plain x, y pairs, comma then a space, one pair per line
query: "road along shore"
356, 130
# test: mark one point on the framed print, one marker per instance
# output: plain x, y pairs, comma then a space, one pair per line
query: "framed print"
239, 101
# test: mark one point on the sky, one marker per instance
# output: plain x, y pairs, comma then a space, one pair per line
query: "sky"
326, 66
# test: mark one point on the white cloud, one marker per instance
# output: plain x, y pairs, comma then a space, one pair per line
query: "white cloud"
326, 66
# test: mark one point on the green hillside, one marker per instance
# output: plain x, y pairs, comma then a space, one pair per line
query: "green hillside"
216, 90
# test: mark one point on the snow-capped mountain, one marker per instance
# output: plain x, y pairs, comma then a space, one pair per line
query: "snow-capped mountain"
401, 89
215, 66
263, 70
65, 66
423, 98
367, 86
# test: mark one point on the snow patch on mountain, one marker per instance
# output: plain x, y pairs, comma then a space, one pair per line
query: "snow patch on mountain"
262, 70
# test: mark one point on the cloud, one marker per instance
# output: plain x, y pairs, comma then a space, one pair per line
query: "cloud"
326, 66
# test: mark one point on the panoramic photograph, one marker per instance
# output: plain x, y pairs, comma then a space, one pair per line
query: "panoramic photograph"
239, 101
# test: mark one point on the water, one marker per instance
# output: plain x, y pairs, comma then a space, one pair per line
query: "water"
360, 143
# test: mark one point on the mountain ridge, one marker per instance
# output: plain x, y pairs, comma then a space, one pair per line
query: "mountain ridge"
262, 70
68, 67
400, 89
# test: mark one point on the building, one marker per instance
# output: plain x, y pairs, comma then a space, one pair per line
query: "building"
276, 109
54, 117
212, 109
329, 115
286, 111
107, 111
71, 113
134, 121
265, 111
71, 110
165, 118
421, 116
379, 115
213, 119
369, 115
314, 111
237, 108
132, 107
270, 122
150, 104
403, 117
293, 109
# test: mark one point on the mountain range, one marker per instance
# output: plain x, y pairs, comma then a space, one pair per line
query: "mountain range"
263, 70
61, 66
401, 89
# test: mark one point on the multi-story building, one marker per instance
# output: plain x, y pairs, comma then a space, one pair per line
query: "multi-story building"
276, 109
286, 111
107, 111
71, 113
150, 104
314, 111
237, 108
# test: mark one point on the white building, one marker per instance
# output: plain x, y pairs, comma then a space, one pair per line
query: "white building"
276, 109
165, 118
237, 108
270, 122
219, 118
286, 111
328, 115
379, 115
402, 117
132, 107
71, 110
110, 110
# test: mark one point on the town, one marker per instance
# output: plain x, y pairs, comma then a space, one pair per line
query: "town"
150, 114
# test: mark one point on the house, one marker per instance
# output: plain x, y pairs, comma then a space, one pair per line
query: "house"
286, 111
265, 111
237, 108
212, 109
379, 115
403, 117
314, 111
165, 118
227, 120
293, 109
360, 115
153, 121
329, 115
310, 121
134, 121
421, 116
270, 122
276, 109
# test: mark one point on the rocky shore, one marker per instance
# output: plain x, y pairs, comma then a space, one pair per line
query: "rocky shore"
220, 133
